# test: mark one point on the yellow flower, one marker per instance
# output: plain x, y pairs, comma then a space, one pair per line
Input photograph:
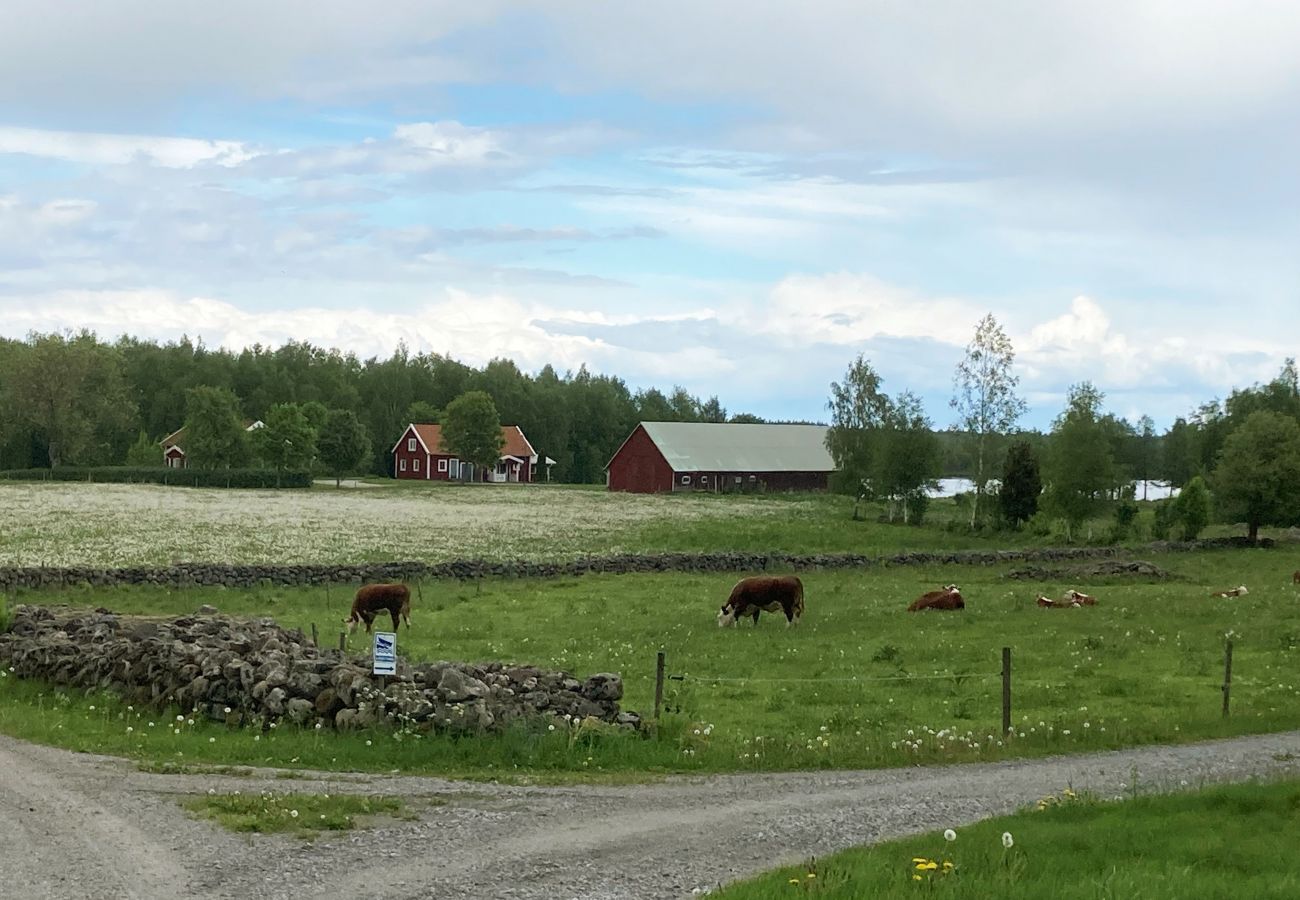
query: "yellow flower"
918, 859
811, 875
794, 880
947, 864
916, 877
931, 866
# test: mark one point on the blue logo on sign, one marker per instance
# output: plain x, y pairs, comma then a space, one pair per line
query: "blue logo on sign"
383, 645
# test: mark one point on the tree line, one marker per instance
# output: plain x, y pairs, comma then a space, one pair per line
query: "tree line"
1238, 458
73, 399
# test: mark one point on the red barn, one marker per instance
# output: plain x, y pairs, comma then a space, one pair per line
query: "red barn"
697, 456
419, 453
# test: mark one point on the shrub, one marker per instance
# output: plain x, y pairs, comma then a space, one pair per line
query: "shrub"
210, 478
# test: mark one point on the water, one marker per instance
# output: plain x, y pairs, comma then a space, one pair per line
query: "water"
1155, 490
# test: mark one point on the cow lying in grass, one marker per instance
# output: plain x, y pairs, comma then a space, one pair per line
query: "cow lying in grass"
1235, 592
770, 593
947, 599
1071, 599
373, 599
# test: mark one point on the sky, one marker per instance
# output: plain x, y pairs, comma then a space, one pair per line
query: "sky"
738, 198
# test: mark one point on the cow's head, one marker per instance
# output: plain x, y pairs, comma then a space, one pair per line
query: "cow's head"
1241, 591
951, 588
726, 616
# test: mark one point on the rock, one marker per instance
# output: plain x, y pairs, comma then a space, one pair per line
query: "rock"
455, 686
207, 610
603, 686
300, 711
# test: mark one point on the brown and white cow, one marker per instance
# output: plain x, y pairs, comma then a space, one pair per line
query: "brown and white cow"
947, 599
1235, 592
373, 599
763, 593
1071, 599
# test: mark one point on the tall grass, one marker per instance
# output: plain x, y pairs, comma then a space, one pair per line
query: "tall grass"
1221, 842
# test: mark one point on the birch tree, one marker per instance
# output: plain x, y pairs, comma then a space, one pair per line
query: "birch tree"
985, 397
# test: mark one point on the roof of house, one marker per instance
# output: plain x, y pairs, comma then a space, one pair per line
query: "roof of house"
431, 437
717, 447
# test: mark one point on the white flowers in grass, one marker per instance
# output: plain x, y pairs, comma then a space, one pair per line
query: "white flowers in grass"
1007, 840
950, 835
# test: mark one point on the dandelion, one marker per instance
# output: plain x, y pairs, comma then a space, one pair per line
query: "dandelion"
129, 729
293, 813
212, 740
92, 707
949, 835
367, 743
1007, 840
227, 710
794, 881
257, 737
180, 718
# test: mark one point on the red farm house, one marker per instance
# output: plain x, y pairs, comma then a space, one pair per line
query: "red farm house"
694, 456
419, 454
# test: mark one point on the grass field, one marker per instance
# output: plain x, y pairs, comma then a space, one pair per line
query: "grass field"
64, 524
306, 815
1222, 842
860, 683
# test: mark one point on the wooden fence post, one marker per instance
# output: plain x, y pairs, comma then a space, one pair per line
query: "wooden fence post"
343, 642
315, 638
659, 683
1006, 690
1227, 676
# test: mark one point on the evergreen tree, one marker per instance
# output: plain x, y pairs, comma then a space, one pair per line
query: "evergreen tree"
1022, 484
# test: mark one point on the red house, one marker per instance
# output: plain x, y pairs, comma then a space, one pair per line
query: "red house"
698, 456
419, 453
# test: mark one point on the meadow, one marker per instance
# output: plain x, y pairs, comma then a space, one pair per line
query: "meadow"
1224, 841
860, 683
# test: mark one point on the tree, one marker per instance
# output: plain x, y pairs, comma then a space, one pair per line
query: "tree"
70, 391
1147, 463
144, 453
1080, 470
1180, 459
985, 396
214, 432
712, 411
859, 409
423, 413
1022, 484
1192, 508
1257, 479
907, 461
746, 419
286, 439
343, 444
471, 429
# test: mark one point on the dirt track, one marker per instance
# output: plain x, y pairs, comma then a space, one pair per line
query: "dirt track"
78, 826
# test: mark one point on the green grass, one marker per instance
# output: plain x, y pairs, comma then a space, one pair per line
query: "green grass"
860, 683
306, 815
1224, 842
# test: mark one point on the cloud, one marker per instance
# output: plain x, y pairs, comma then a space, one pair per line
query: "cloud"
121, 149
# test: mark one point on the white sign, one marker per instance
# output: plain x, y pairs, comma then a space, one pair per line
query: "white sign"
385, 653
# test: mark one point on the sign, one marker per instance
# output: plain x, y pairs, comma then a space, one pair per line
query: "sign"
385, 653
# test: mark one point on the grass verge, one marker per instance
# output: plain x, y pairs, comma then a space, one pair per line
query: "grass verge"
1234, 841
306, 815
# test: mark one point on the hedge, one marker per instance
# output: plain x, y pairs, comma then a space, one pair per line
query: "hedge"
210, 478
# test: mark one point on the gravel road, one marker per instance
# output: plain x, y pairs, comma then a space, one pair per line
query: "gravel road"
85, 827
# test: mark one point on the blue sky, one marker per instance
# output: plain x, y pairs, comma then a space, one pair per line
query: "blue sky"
737, 198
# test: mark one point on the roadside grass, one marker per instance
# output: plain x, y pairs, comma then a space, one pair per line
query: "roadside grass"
1224, 841
859, 684
305, 815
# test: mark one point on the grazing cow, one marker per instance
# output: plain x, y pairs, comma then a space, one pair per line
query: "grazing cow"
1235, 592
373, 599
771, 593
947, 599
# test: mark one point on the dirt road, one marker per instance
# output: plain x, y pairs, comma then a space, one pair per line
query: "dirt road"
76, 826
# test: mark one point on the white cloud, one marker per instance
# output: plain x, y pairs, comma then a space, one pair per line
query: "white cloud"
120, 149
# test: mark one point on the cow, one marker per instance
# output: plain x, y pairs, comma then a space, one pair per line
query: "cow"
373, 599
947, 599
1071, 599
1235, 592
770, 593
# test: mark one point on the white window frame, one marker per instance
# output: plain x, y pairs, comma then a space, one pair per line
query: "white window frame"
686, 479
410, 445
442, 465
738, 479
415, 465
401, 465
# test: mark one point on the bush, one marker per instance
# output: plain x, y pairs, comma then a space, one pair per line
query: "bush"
210, 478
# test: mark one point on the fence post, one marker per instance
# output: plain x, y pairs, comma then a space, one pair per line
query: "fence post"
343, 642
1227, 676
1006, 690
315, 638
659, 683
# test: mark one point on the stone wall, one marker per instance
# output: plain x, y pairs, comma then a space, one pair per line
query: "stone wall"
254, 672
191, 574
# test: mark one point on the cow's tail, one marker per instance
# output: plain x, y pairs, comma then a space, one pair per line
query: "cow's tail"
798, 599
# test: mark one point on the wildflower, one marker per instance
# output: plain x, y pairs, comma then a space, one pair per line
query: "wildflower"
129, 729
293, 813
794, 881
1007, 841
811, 875
212, 740
180, 718
950, 835
367, 743
916, 877
227, 710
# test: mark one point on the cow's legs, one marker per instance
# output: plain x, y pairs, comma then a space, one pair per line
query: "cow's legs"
396, 621
755, 618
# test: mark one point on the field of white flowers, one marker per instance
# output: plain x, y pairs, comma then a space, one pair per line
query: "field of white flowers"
58, 524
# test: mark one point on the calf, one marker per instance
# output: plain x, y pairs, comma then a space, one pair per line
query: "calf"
373, 599
1235, 592
769, 593
1072, 599
947, 599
